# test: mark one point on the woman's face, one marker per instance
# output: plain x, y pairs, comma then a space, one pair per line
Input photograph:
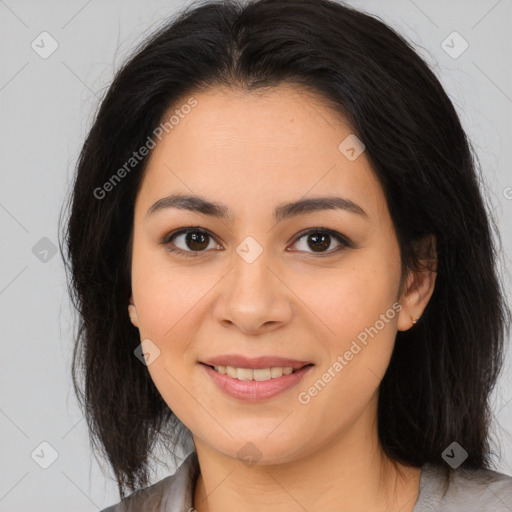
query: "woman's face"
252, 284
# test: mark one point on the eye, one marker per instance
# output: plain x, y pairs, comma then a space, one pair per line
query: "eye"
320, 239
195, 241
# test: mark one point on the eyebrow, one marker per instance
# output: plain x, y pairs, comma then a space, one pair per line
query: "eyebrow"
201, 205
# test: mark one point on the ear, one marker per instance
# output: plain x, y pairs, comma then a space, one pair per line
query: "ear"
419, 285
132, 311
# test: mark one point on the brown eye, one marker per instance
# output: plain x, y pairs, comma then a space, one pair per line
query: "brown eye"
319, 241
196, 240
188, 241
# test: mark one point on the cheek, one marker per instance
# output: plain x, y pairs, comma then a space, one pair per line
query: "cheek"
354, 296
359, 306
363, 320
162, 301
165, 293
168, 303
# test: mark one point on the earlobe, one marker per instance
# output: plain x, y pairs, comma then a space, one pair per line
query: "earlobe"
132, 311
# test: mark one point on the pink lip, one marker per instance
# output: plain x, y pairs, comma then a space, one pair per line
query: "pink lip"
240, 361
252, 390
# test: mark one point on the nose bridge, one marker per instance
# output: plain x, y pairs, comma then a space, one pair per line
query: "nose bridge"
251, 295
251, 278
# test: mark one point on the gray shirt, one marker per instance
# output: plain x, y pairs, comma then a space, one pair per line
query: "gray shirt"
442, 489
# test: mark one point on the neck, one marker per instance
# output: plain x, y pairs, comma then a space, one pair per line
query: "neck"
348, 473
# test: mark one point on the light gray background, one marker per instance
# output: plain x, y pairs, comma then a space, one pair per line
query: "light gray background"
47, 106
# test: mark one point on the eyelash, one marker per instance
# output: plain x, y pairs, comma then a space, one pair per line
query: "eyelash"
344, 241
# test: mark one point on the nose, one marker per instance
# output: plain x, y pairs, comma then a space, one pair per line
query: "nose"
253, 297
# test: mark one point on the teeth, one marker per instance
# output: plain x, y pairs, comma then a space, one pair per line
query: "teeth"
259, 374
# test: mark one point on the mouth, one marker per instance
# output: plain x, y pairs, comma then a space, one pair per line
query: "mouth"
256, 374
256, 384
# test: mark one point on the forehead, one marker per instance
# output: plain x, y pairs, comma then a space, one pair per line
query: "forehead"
256, 147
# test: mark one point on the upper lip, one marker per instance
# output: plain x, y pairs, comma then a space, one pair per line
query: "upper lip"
240, 361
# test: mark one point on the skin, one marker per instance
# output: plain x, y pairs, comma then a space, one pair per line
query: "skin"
252, 152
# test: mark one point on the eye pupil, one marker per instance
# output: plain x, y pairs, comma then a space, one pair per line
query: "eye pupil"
196, 237
322, 237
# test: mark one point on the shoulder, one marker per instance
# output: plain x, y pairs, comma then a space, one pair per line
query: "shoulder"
464, 490
170, 494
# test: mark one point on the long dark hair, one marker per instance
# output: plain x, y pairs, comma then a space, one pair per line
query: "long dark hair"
437, 387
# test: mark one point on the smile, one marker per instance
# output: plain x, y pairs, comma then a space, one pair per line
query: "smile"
259, 374
253, 385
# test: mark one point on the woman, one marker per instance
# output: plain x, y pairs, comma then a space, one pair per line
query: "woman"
280, 254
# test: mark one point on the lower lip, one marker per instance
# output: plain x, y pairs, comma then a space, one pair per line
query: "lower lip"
253, 390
